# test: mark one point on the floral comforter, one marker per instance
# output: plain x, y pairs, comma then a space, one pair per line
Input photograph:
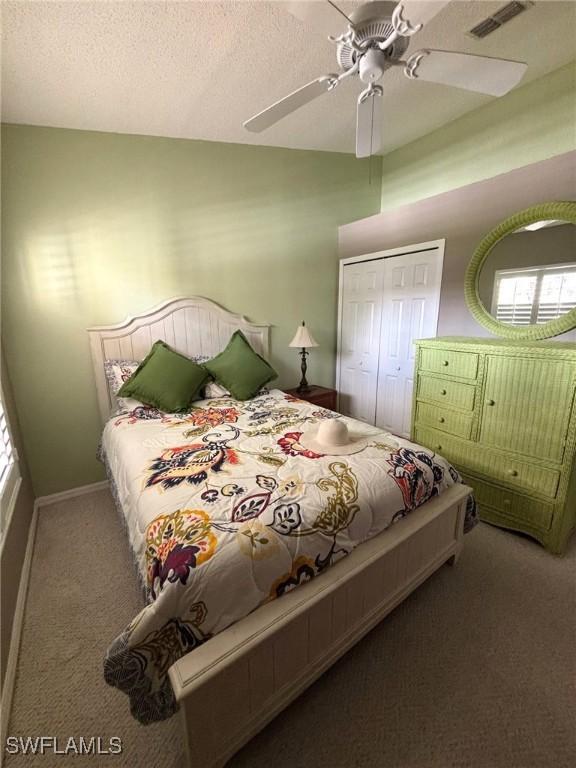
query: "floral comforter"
225, 510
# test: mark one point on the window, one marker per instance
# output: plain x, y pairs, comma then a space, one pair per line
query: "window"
6, 450
9, 472
535, 294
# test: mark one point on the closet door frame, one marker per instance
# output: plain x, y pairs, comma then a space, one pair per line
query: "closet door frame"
404, 250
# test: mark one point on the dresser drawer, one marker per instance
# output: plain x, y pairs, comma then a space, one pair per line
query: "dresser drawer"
512, 505
462, 364
484, 461
442, 418
449, 393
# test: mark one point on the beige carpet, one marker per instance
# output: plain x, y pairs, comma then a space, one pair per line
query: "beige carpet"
475, 670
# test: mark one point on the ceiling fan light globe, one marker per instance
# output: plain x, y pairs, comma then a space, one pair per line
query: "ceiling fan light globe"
372, 65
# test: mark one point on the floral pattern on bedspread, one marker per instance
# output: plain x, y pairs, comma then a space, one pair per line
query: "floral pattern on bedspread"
226, 510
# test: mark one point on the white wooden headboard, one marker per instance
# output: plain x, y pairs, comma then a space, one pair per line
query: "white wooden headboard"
193, 326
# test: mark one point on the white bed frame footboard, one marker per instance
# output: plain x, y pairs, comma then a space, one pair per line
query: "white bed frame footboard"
233, 685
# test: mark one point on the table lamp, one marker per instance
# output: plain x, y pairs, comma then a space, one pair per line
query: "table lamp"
304, 340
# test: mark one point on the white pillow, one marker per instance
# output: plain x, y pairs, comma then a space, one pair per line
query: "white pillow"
213, 389
117, 372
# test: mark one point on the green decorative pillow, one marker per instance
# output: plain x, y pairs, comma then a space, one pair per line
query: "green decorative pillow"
241, 370
165, 379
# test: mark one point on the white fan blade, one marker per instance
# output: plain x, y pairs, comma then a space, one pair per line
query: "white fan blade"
369, 124
494, 77
323, 15
417, 13
291, 103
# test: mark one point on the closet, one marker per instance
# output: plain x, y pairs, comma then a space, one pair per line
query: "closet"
386, 301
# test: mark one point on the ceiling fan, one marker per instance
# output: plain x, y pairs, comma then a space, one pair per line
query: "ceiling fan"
376, 38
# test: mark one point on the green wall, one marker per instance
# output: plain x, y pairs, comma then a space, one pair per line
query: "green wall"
99, 226
531, 123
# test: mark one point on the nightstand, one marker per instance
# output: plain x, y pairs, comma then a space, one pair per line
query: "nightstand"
322, 396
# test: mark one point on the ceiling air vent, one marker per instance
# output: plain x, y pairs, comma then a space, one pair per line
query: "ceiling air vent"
502, 16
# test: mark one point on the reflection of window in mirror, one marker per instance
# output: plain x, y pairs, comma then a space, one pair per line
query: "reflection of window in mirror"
534, 294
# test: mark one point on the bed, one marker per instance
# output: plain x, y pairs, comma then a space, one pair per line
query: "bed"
225, 511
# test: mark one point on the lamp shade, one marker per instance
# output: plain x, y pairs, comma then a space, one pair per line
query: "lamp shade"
303, 338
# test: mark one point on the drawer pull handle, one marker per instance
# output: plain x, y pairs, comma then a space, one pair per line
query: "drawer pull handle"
506, 502
512, 472
438, 447
442, 391
490, 402
441, 419
444, 362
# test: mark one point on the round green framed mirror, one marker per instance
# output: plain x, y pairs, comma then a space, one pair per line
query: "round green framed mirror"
521, 280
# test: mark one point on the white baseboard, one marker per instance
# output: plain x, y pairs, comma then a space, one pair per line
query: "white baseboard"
43, 501
10, 676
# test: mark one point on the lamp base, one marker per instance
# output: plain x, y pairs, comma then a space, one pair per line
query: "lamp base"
303, 386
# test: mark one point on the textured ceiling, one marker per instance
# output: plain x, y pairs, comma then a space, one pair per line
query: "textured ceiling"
199, 69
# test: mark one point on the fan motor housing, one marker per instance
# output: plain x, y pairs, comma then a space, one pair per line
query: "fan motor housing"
373, 64
372, 24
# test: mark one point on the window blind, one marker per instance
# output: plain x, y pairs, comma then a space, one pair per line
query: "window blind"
535, 294
6, 449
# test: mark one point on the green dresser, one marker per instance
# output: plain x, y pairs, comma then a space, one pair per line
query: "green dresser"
504, 413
